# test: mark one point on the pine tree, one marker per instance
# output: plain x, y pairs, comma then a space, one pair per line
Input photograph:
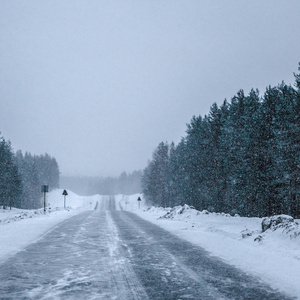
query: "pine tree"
36, 171
10, 184
243, 157
155, 177
178, 174
218, 180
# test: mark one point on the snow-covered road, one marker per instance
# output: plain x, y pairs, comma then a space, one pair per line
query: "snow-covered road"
110, 254
79, 259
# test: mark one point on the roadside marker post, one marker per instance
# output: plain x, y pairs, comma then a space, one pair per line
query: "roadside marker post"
65, 193
139, 200
45, 189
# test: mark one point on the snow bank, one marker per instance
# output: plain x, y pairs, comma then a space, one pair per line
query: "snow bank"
272, 255
287, 223
19, 227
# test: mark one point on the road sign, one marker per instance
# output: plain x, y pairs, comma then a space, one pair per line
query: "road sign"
139, 200
65, 193
44, 189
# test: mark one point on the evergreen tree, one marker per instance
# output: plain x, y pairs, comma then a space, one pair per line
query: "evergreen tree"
10, 183
155, 178
36, 171
218, 181
243, 157
178, 174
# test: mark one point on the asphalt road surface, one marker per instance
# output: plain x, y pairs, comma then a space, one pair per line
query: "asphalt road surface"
110, 254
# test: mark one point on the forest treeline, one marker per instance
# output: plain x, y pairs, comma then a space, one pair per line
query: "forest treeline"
126, 183
22, 176
243, 157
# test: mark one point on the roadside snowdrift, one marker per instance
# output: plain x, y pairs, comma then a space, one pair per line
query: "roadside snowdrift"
272, 255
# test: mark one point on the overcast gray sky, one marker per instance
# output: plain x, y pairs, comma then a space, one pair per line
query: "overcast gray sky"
98, 84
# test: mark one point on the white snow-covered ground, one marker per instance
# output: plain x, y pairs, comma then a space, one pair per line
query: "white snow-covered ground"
19, 227
273, 256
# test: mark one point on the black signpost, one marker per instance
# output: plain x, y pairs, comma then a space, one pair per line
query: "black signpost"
65, 193
139, 200
45, 189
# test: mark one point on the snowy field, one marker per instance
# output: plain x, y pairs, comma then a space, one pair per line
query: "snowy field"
273, 256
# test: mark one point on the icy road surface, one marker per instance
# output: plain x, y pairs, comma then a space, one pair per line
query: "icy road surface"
110, 254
